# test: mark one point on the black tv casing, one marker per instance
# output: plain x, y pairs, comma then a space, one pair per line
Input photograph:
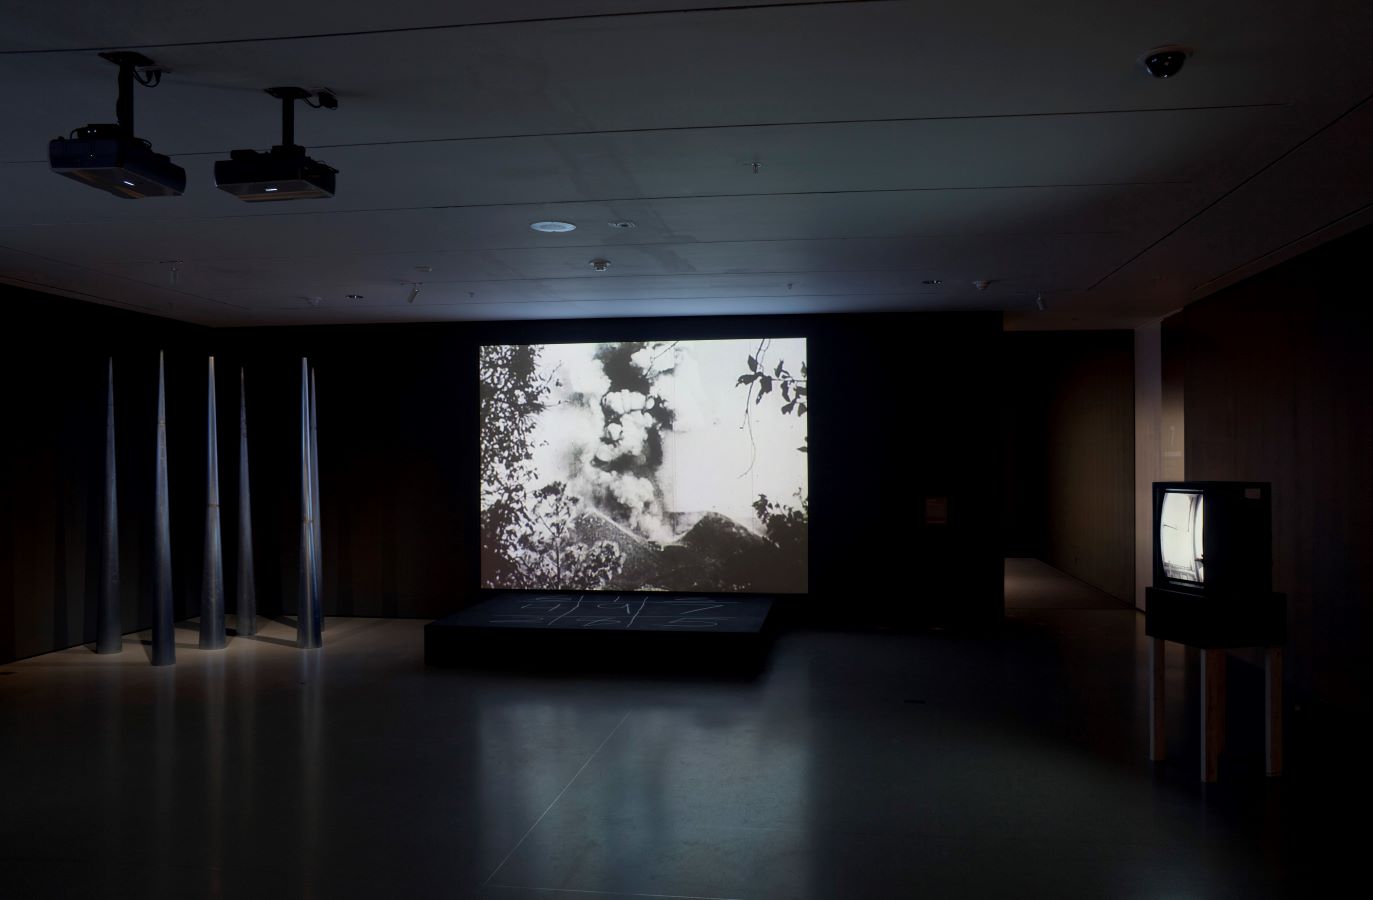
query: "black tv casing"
1237, 536
1236, 605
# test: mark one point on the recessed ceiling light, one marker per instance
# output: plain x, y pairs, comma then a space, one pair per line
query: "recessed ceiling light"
933, 281
553, 227
270, 190
128, 182
623, 223
353, 296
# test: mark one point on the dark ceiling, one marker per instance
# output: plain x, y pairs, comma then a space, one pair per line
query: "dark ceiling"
898, 143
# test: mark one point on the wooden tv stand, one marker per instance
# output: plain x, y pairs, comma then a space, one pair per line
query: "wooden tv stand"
1213, 626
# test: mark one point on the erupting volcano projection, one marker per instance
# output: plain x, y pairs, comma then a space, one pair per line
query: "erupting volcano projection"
644, 466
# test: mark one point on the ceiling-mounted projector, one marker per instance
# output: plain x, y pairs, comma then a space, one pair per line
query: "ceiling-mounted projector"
109, 157
284, 172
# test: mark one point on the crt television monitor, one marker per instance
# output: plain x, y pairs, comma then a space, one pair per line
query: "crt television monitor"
1213, 538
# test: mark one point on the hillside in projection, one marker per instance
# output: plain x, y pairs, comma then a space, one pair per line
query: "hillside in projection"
642, 466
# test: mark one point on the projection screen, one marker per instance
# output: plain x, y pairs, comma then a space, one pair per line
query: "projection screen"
645, 466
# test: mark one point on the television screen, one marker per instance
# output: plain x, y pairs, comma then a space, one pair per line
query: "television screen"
1180, 535
645, 465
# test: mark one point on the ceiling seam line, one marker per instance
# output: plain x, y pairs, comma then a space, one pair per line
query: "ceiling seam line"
1278, 249
656, 300
459, 26
602, 246
44, 287
1224, 196
601, 276
126, 278
818, 123
656, 199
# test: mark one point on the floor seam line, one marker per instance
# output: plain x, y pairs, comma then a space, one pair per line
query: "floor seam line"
550, 806
517, 887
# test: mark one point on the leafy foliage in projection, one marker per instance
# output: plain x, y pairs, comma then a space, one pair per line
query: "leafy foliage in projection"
527, 538
786, 526
552, 554
793, 390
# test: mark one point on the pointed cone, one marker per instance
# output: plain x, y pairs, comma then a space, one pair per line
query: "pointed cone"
247, 591
164, 645
314, 506
108, 637
307, 616
212, 582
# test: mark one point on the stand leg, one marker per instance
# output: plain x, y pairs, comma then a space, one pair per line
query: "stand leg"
1272, 695
1157, 741
1212, 710
1222, 695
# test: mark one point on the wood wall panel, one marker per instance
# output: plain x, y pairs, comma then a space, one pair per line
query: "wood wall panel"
1279, 387
1070, 425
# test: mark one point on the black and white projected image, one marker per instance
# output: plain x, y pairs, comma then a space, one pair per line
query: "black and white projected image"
645, 466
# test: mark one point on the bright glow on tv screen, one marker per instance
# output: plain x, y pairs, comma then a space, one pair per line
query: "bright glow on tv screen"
650, 465
1181, 525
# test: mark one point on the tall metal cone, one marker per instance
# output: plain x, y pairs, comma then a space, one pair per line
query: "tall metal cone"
108, 637
212, 581
314, 507
307, 616
164, 642
247, 590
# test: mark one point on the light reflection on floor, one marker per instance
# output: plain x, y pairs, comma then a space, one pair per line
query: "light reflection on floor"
1001, 764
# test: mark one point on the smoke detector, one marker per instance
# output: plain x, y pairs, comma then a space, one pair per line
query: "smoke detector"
552, 227
599, 264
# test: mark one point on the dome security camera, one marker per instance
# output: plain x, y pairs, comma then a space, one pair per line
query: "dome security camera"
1165, 62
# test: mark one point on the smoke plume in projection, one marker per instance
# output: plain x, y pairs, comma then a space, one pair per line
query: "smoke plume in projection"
621, 474
668, 467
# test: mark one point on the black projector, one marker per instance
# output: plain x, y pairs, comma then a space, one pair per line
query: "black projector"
283, 173
103, 156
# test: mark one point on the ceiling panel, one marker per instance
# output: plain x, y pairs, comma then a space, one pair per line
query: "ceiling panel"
84, 23
992, 140
1165, 147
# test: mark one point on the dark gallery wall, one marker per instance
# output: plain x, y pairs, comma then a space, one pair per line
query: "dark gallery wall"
905, 410
54, 364
1277, 377
1068, 410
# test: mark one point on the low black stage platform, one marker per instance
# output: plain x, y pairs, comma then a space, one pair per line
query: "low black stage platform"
543, 630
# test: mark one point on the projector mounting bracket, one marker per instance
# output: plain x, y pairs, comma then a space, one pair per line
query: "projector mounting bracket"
130, 63
288, 97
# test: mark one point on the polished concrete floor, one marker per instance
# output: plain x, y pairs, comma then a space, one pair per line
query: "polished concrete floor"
1007, 763
1032, 584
